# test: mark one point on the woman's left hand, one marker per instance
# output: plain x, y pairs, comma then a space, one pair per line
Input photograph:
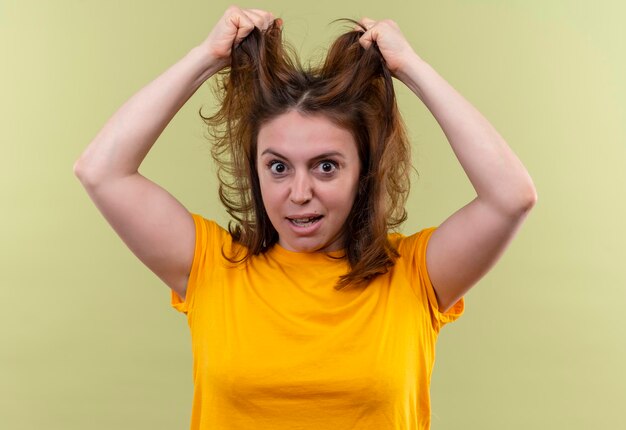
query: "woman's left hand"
394, 47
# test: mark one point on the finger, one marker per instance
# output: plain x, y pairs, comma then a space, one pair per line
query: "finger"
359, 27
367, 22
366, 39
369, 37
262, 19
243, 24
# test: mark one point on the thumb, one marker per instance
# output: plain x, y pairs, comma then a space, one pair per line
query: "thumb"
368, 37
241, 26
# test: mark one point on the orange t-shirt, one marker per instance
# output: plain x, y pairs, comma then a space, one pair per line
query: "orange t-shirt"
275, 346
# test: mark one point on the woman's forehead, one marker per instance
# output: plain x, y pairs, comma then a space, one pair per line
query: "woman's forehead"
296, 134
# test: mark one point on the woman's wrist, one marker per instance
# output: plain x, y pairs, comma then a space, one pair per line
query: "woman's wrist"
412, 73
207, 62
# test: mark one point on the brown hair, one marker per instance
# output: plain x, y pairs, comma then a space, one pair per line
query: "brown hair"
354, 89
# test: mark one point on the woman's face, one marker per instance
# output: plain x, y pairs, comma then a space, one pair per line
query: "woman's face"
309, 174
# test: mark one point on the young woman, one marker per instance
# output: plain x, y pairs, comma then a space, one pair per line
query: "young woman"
307, 313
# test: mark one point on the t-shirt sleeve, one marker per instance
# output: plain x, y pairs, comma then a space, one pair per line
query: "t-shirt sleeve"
207, 238
439, 318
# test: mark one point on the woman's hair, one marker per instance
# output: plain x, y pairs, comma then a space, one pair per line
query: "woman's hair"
353, 89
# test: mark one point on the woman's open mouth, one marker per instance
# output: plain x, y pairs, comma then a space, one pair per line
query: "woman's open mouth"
305, 222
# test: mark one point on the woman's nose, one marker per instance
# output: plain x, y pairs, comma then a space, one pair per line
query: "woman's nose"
301, 189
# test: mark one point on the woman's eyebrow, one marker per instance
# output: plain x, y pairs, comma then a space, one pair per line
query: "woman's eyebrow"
328, 154
272, 152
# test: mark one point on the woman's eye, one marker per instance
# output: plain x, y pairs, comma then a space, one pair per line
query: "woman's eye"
327, 167
277, 167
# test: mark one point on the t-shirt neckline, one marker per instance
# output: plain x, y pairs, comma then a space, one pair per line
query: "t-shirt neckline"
310, 257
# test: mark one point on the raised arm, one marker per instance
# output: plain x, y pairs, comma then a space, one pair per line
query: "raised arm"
152, 223
469, 243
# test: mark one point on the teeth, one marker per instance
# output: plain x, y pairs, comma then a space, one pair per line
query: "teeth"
302, 221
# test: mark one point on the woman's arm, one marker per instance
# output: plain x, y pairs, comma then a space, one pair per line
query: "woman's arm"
154, 225
469, 243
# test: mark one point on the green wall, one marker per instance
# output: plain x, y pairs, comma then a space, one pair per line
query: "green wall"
88, 337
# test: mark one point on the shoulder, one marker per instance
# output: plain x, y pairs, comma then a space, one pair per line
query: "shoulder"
207, 226
212, 238
413, 245
411, 263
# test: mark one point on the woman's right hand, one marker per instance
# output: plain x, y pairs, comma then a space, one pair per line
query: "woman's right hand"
230, 30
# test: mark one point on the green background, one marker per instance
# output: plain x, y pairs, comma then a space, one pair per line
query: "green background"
88, 338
